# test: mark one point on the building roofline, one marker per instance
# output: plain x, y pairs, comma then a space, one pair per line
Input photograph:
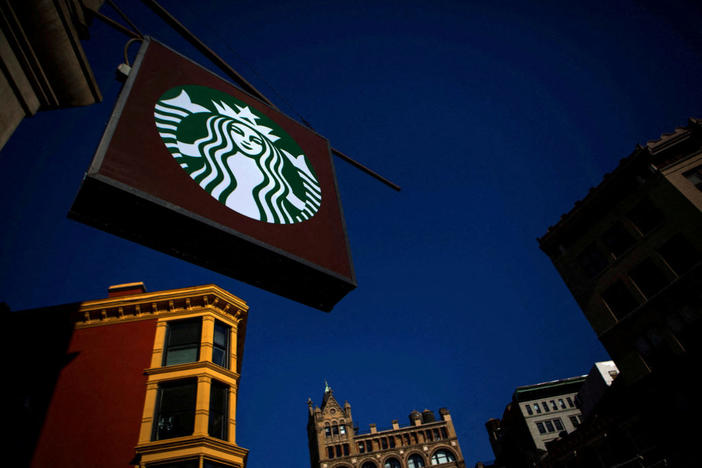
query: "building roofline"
652, 148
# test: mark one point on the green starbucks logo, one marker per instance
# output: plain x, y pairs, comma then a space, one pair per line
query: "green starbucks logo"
238, 155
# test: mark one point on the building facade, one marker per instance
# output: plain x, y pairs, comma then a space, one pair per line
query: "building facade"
537, 415
630, 254
137, 379
42, 63
334, 442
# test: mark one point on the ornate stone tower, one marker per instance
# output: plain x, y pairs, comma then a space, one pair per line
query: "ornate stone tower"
329, 429
335, 443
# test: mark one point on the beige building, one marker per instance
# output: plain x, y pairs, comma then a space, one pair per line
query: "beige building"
630, 254
42, 63
334, 442
536, 415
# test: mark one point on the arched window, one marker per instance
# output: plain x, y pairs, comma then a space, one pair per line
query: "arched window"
415, 461
442, 456
391, 463
369, 464
327, 430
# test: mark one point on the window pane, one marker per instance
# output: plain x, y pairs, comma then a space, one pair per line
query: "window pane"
561, 403
617, 239
191, 463
679, 254
619, 299
649, 278
574, 421
645, 216
415, 461
391, 463
175, 410
592, 260
541, 428
442, 456
212, 464
558, 424
695, 177
219, 409
553, 405
529, 410
549, 426
220, 351
545, 406
182, 341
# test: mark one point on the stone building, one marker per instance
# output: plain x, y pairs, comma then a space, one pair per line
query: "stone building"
137, 379
630, 254
334, 442
537, 415
42, 63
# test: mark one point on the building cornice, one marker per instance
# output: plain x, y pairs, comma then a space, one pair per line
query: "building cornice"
149, 305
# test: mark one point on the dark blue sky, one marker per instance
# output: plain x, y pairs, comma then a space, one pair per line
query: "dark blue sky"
494, 118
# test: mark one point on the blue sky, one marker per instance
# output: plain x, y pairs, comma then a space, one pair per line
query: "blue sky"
494, 117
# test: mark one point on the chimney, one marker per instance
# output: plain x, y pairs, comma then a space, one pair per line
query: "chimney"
126, 289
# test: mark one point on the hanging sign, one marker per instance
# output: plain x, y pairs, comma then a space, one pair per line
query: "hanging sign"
192, 166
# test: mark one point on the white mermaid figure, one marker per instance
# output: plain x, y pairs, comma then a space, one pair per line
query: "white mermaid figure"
235, 158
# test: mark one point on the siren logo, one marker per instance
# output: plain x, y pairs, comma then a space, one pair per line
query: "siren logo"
238, 155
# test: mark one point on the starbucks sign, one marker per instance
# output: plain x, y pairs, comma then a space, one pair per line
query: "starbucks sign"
192, 166
239, 156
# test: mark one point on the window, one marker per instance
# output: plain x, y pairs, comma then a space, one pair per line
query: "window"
369, 445
559, 424
679, 254
561, 403
383, 443
444, 433
415, 461
190, 463
342, 429
442, 456
391, 463
361, 447
369, 464
212, 464
346, 449
220, 349
645, 216
529, 410
617, 240
545, 405
619, 299
592, 260
648, 277
695, 177
550, 426
327, 431
392, 442
330, 452
175, 409
182, 341
570, 402
335, 430
338, 450
219, 410
537, 408
554, 407
574, 420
